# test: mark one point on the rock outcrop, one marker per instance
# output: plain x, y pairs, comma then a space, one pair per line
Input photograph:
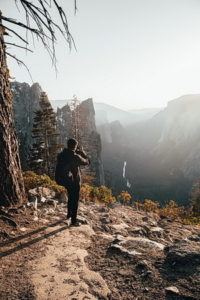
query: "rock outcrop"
26, 102
79, 122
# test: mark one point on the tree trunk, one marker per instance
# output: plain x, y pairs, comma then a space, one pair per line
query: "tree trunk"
11, 179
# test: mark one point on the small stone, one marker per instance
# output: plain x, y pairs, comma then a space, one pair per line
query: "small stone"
44, 221
153, 223
172, 290
23, 229
157, 232
35, 218
105, 220
52, 202
42, 199
118, 239
137, 230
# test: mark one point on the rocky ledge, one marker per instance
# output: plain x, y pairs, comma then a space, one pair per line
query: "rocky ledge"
117, 253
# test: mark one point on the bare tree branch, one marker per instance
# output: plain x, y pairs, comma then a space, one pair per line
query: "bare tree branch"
19, 36
20, 62
19, 46
36, 31
44, 26
75, 6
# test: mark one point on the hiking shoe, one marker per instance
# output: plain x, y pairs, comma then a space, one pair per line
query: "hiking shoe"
76, 224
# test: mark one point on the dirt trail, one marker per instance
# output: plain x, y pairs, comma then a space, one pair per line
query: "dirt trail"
62, 272
120, 254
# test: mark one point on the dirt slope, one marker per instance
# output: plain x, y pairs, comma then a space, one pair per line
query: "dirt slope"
117, 253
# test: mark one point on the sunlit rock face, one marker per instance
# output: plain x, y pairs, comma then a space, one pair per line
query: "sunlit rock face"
80, 123
162, 154
26, 102
178, 136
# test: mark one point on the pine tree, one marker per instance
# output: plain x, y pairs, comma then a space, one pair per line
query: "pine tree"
45, 148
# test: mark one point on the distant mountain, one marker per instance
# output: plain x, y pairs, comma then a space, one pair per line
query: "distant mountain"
105, 113
144, 113
108, 113
162, 154
59, 103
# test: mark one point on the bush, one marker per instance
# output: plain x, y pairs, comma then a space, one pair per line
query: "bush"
85, 192
102, 194
32, 180
172, 210
99, 194
148, 205
124, 197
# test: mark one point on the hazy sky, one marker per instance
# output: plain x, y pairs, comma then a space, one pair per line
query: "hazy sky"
130, 53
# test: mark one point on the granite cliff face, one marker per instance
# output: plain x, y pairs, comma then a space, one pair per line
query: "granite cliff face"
162, 154
79, 122
26, 102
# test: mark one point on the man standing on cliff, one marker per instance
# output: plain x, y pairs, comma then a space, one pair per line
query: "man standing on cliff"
68, 175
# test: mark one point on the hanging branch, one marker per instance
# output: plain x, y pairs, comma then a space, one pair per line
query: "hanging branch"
75, 7
20, 62
44, 25
20, 24
19, 36
15, 45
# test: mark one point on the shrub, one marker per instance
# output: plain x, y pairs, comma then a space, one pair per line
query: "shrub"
100, 194
172, 210
148, 205
85, 192
191, 220
124, 197
32, 180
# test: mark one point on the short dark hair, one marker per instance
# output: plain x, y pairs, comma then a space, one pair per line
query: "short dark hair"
72, 143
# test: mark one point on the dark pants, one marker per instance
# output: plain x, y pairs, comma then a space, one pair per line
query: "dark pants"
73, 198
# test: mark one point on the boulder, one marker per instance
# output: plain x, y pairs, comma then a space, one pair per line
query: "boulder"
134, 245
41, 194
184, 252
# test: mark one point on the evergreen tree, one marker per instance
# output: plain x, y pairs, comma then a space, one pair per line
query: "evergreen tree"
45, 148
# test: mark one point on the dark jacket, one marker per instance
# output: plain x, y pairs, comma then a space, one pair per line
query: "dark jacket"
68, 167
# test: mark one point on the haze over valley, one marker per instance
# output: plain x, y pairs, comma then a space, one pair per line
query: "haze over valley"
152, 153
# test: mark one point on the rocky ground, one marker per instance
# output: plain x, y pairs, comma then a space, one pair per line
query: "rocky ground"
117, 253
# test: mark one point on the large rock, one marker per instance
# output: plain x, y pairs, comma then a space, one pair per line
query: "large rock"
25, 103
184, 252
135, 245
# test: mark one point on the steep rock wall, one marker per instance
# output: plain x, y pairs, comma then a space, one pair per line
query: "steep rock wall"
26, 102
80, 123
